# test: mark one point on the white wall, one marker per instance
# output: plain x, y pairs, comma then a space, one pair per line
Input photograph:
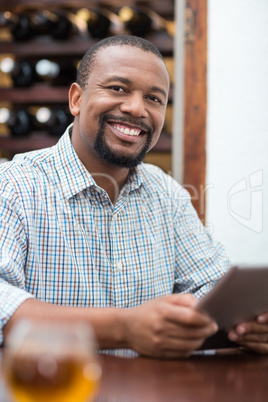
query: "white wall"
237, 127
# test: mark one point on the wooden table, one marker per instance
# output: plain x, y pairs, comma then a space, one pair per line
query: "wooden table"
232, 377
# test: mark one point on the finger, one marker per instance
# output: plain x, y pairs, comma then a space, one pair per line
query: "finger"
260, 338
251, 327
263, 318
176, 348
187, 300
188, 332
256, 347
191, 316
187, 316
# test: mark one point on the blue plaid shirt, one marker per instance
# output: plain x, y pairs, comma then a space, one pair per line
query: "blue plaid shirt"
64, 242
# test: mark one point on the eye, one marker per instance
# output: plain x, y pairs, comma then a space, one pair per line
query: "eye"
155, 99
117, 88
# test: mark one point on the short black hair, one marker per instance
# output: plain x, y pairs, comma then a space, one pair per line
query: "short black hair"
88, 61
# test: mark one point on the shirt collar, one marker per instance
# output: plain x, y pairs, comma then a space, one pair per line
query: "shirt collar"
73, 175
135, 179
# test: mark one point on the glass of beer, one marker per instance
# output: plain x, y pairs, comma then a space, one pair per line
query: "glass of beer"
51, 362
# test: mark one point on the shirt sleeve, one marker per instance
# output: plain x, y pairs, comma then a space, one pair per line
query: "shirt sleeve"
200, 259
13, 248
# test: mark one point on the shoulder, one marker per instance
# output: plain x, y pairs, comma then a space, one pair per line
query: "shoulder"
25, 171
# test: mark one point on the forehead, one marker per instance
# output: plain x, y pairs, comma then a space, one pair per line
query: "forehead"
130, 60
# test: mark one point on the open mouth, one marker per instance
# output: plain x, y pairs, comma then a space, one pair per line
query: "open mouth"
127, 130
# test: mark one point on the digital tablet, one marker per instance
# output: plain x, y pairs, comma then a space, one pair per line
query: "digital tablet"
239, 296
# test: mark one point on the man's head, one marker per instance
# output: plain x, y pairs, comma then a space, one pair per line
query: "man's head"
88, 61
119, 102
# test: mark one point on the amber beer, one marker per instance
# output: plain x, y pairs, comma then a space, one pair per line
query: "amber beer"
51, 373
71, 381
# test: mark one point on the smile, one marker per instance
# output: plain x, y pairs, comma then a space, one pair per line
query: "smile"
127, 130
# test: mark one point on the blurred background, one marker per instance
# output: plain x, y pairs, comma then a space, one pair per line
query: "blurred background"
215, 138
237, 127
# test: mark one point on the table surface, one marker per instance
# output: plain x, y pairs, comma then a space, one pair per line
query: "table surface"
227, 376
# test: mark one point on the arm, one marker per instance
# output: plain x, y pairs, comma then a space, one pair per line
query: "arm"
200, 259
13, 247
164, 327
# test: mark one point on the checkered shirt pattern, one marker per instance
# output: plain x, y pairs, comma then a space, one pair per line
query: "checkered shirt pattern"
63, 241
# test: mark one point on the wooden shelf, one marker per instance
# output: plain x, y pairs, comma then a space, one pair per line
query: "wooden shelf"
41, 94
73, 48
34, 141
45, 46
38, 140
163, 7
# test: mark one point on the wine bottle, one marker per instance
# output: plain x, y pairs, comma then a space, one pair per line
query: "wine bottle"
101, 22
135, 20
27, 25
159, 23
20, 122
143, 20
22, 72
98, 24
54, 120
57, 73
18, 24
55, 24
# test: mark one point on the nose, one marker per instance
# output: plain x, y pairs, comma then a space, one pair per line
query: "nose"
134, 104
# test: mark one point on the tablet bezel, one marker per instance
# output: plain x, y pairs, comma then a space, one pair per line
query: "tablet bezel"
239, 296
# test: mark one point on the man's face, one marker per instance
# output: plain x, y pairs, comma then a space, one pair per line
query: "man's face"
121, 112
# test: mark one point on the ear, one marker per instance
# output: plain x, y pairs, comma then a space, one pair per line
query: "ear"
75, 95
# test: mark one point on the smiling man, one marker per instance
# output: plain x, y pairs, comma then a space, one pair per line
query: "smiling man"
90, 232
119, 108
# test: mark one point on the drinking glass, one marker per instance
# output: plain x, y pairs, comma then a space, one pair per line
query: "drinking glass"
51, 362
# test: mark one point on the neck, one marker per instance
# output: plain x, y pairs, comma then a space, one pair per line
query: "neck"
111, 179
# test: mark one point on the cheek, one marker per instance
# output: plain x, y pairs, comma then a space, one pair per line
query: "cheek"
98, 106
90, 114
159, 121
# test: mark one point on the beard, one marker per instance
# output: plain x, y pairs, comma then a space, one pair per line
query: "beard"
119, 159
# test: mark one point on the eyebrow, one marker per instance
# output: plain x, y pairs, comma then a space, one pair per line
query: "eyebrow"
161, 91
127, 81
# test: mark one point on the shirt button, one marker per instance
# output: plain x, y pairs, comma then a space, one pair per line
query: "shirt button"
119, 266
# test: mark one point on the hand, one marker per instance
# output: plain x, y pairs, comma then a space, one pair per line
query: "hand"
252, 335
168, 327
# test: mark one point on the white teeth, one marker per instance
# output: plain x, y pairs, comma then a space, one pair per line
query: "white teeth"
127, 130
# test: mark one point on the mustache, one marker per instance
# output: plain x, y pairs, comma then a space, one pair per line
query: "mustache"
123, 119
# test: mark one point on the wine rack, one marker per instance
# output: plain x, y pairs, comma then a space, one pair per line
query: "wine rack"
70, 49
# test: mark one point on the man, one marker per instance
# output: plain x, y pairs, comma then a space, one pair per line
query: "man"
89, 232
